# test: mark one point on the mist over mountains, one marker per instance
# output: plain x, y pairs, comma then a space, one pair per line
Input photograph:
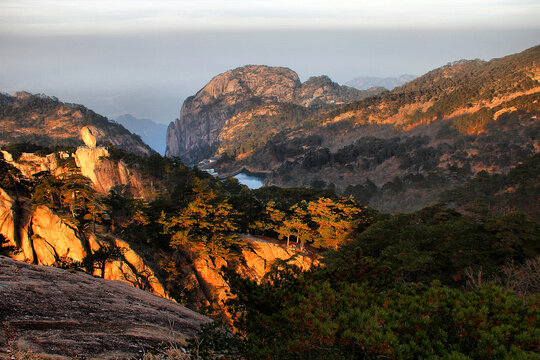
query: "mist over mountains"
389, 83
150, 131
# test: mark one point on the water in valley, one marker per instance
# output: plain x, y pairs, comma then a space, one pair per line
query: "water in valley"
251, 180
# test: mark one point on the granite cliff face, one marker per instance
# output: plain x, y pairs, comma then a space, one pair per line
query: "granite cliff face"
45, 238
196, 134
50, 313
42, 237
46, 121
106, 173
94, 163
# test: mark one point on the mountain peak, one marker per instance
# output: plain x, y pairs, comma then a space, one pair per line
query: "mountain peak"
196, 134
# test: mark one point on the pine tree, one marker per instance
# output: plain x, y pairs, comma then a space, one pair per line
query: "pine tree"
5, 249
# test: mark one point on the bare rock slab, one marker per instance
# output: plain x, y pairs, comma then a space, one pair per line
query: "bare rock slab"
53, 312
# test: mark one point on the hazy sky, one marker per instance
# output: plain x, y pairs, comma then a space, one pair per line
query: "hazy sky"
145, 57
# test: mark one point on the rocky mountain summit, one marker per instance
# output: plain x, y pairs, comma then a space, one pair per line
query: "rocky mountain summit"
196, 135
46, 121
53, 313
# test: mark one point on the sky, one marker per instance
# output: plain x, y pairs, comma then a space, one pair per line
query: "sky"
146, 57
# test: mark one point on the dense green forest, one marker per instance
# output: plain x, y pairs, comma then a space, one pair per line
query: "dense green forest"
430, 284
435, 283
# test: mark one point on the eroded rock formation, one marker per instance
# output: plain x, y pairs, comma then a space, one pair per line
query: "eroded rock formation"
43, 238
94, 163
105, 173
258, 256
88, 138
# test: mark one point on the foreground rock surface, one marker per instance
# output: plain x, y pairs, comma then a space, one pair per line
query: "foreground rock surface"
56, 313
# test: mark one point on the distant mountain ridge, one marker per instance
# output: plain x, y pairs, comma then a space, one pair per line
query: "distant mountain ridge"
46, 121
368, 82
151, 132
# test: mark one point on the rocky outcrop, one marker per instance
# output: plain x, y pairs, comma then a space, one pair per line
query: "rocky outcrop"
43, 238
257, 257
195, 135
87, 137
59, 314
94, 163
30, 164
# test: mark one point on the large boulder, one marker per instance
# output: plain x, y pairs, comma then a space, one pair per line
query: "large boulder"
88, 138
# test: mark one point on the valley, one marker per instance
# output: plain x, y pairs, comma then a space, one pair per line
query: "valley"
288, 220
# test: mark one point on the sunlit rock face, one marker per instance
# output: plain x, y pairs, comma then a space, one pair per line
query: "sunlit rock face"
42, 237
95, 164
256, 260
196, 134
87, 137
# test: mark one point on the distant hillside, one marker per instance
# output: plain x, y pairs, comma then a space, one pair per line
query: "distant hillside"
46, 121
368, 82
398, 150
151, 132
501, 193
272, 97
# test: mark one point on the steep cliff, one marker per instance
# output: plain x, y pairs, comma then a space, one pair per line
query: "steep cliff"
46, 121
94, 163
53, 313
42, 237
106, 173
196, 134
